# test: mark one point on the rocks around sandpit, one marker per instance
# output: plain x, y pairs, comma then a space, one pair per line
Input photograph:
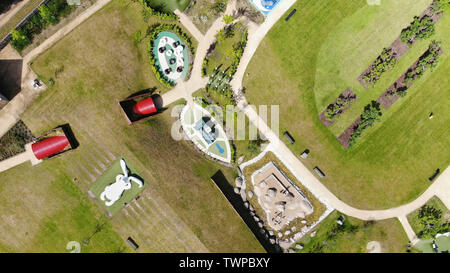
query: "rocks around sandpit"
250, 194
299, 246
238, 181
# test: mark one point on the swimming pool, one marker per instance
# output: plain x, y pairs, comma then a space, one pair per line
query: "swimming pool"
265, 7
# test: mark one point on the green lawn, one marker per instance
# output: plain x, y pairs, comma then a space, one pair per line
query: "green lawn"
109, 177
435, 202
43, 209
354, 236
170, 5
425, 246
181, 210
391, 163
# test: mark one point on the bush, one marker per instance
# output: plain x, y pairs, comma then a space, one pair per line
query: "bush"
420, 28
49, 13
428, 60
384, 62
228, 19
370, 115
160, 14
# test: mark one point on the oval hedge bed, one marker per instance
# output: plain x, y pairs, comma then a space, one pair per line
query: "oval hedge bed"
154, 31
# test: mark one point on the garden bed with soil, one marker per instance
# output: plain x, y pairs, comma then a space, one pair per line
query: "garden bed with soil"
399, 48
400, 85
348, 96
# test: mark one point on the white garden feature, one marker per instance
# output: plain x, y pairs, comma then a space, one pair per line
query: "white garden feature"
114, 191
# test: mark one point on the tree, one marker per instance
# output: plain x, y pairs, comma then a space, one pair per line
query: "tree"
429, 221
19, 39
47, 15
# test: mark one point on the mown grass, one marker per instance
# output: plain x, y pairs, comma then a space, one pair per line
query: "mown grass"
354, 236
391, 163
100, 64
43, 210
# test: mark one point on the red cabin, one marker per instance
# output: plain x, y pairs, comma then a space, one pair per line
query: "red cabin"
145, 107
49, 146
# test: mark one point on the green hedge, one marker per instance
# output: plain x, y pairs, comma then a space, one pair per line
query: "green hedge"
370, 115
49, 14
162, 15
153, 33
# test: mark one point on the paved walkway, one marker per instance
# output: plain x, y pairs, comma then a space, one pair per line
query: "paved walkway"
440, 188
11, 113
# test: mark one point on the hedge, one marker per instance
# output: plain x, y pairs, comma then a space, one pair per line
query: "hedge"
162, 15
153, 33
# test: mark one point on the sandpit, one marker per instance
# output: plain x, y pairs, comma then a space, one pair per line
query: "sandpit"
279, 198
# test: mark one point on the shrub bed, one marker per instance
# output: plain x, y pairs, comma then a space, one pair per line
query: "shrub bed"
384, 62
153, 33
370, 115
148, 10
235, 52
49, 14
13, 142
420, 28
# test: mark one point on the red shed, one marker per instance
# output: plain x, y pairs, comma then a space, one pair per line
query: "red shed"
49, 146
145, 107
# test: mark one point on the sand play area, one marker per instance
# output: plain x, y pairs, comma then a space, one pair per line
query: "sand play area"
279, 198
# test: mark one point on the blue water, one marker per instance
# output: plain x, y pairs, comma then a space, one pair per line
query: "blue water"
221, 150
265, 6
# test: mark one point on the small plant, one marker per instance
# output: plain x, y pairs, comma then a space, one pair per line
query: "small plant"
220, 6
228, 19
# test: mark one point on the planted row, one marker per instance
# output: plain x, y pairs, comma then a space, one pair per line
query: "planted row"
420, 28
148, 10
428, 60
371, 114
338, 107
49, 14
383, 63
153, 32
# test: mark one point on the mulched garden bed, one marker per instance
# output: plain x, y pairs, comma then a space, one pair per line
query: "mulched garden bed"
344, 138
13, 142
398, 47
390, 96
347, 94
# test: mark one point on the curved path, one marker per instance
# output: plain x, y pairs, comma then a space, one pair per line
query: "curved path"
440, 188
